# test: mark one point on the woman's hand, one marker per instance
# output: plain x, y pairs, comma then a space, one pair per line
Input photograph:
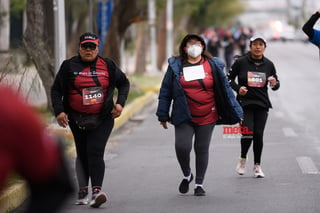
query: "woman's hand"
243, 90
62, 119
164, 124
272, 81
116, 111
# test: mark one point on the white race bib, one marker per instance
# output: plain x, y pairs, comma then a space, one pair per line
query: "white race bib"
193, 73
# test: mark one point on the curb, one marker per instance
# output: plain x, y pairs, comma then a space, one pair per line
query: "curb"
15, 195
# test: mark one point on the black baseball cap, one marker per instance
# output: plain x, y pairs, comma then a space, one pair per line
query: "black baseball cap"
89, 38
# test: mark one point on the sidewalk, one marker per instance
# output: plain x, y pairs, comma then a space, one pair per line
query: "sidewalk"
16, 194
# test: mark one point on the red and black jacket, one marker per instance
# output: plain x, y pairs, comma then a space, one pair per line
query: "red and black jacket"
65, 77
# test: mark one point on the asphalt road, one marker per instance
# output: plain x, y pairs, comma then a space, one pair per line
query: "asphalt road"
142, 173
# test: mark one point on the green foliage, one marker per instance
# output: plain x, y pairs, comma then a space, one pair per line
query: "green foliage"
76, 8
186, 7
220, 12
204, 13
17, 6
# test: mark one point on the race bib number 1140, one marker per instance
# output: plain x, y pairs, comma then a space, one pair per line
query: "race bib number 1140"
92, 95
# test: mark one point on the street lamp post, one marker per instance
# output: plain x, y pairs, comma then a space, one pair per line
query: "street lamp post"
152, 24
5, 26
169, 27
59, 33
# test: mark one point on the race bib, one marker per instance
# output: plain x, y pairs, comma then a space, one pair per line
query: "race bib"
256, 79
193, 73
92, 95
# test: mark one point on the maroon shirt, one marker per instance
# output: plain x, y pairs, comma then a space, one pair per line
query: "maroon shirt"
84, 80
201, 100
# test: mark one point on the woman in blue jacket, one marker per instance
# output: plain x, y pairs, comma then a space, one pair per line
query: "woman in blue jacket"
201, 97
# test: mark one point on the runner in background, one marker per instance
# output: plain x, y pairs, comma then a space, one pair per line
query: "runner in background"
254, 72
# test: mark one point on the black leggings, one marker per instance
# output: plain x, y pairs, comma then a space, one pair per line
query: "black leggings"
255, 119
183, 144
90, 148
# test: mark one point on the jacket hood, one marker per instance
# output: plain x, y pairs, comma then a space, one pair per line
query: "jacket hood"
175, 64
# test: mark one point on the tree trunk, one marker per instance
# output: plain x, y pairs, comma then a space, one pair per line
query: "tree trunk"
124, 14
113, 41
161, 40
141, 48
37, 43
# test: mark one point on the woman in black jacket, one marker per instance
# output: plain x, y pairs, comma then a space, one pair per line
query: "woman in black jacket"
253, 72
82, 97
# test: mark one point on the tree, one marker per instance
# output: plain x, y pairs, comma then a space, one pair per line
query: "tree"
76, 23
193, 16
124, 14
38, 41
217, 12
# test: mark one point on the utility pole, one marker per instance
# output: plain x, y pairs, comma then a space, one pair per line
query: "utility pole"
59, 33
152, 24
303, 10
4, 26
289, 7
169, 26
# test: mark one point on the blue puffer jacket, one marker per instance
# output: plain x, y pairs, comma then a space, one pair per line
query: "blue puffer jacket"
229, 110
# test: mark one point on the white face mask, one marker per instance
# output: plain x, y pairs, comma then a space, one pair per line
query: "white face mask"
194, 51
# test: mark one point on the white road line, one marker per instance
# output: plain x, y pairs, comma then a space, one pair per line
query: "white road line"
289, 132
307, 165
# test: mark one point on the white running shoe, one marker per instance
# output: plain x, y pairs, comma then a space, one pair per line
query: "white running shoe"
98, 199
257, 171
241, 166
83, 198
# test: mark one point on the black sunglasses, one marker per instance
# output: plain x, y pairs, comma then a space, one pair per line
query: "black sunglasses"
91, 46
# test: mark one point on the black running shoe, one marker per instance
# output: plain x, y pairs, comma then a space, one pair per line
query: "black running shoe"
199, 191
184, 185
